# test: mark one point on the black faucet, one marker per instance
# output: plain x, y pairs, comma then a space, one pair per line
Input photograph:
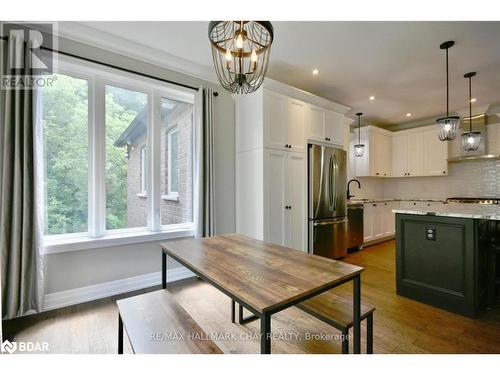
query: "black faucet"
349, 196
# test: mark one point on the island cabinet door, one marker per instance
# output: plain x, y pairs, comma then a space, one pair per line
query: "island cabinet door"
435, 261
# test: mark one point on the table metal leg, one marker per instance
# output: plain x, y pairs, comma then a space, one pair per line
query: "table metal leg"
345, 342
233, 311
120, 335
265, 332
163, 270
369, 334
240, 314
357, 314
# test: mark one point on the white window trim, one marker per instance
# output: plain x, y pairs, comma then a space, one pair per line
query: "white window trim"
98, 76
170, 193
143, 159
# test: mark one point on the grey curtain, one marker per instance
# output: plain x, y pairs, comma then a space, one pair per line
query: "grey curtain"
20, 288
206, 200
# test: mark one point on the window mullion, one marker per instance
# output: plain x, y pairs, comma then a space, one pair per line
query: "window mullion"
98, 162
154, 153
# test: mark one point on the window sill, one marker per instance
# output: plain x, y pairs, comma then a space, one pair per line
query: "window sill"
78, 242
170, 197
142, 195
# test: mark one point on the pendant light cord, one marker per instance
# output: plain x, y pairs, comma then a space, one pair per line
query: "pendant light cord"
359, 129
470, 104
447, 87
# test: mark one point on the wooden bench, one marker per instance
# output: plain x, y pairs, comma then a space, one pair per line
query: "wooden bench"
337, 312
156, 324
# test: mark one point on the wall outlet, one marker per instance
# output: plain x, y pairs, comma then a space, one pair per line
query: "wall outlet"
430, 234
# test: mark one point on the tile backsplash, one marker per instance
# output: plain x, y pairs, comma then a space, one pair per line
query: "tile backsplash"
473, 179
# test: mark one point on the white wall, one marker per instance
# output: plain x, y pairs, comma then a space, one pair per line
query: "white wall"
79, 269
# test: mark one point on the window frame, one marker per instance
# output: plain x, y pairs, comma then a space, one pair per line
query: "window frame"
143, 171
98, 77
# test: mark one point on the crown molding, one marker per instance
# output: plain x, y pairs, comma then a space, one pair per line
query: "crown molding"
78, 32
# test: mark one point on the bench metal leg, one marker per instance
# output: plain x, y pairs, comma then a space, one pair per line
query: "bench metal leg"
120, 335
163, 270
357, 314
345, 342
265, 333
369, 334
233, 311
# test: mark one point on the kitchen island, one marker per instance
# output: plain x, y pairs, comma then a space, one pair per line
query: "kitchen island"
441, 256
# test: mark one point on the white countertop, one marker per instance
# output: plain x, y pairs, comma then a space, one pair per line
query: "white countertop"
481, 212
377, 200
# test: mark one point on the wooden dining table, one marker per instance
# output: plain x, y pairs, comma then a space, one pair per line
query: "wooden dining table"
262, 277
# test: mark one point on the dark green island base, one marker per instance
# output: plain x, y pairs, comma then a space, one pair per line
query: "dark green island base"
440, 261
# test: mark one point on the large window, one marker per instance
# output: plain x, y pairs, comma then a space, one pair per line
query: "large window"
65, 123
118, 154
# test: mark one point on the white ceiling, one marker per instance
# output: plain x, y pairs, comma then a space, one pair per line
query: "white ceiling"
400, 63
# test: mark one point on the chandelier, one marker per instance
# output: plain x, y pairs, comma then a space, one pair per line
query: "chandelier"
470, 139
448, 125
240, 51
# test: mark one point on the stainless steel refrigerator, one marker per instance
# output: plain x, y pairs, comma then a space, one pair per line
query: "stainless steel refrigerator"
327, 201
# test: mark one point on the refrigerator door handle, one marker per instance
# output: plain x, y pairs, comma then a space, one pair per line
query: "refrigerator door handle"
330, 185
329, 222
335, 183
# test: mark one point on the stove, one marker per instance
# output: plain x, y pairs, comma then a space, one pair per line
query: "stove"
485, 201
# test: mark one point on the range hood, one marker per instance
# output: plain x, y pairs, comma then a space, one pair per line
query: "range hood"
479, 123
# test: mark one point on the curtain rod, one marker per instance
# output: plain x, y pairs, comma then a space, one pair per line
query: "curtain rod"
118, 67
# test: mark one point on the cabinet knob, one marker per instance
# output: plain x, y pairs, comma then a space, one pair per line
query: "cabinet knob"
444, 172
376, 174
374, 205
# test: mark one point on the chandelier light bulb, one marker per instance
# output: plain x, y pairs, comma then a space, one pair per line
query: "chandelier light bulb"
239, 41
228, 55
254, 57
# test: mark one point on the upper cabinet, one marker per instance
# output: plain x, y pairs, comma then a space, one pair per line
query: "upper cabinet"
376, 161
285, 122
435, 154
326, 126
408, 153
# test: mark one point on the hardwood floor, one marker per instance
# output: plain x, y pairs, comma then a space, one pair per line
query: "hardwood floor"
400, 325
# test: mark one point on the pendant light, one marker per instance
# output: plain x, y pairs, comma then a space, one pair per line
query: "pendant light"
359, 149
240, 52
470, 139
447, 126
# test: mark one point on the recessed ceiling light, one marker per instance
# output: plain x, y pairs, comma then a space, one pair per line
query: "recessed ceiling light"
372, 97
315, 72
473, 100
408, 114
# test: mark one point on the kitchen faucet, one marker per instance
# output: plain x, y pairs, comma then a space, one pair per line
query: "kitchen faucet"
349, 196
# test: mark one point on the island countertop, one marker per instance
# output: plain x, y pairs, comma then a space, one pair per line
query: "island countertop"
484, 212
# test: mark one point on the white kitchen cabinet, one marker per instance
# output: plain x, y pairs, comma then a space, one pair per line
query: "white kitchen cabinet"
435, 154
285, 122
377, 158
285, 191
378, 221
326, 126
407, 154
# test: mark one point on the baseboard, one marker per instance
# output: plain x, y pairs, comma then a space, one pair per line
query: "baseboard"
379, 240
111, 288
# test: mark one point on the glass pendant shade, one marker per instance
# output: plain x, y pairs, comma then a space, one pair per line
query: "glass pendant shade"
471, 140
359, 150
448, 127
240, 53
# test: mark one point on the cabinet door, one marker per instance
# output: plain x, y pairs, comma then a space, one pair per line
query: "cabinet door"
276, 118
296, 129
415, 152
334, 128
368, 212
380, 155
296, 200
317, 118
378, 220
389, 218
435, 154
275, 179
399, 155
